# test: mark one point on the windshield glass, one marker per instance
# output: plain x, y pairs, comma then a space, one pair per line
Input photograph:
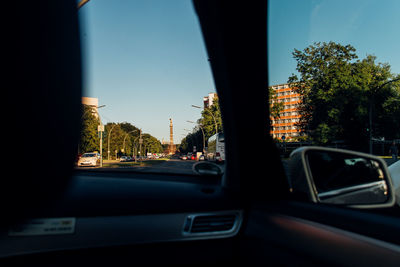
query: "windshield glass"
148, 88
334, 75
88, 155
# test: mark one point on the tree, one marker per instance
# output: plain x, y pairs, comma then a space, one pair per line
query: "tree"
131, 138
115, 136
207, 119
151, 144
276, 107
89, 140
338, 92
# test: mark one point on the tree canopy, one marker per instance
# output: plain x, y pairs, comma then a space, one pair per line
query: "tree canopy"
123, 138
89, 135
340, 92
209, 122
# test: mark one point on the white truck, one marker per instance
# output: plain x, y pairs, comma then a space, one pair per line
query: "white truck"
216, 148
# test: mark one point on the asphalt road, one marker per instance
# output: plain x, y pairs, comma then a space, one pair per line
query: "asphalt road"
171, 166
176, 166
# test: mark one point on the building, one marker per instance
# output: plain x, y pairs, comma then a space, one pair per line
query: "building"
93, 103
209, 100
284, 127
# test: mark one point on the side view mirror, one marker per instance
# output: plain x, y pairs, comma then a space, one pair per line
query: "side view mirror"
341, 177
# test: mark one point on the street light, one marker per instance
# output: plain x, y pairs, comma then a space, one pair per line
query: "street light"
125, 138
108, 141
209, 111
90, 109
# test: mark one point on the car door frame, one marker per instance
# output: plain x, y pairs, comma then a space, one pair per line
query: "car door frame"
236, 39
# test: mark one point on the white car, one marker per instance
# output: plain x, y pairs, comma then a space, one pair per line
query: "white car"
89, 159
125, 159
394, 170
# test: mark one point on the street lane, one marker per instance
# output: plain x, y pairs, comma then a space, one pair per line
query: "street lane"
171, 166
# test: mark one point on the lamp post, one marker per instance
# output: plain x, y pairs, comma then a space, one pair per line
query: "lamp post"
108, 141
209, 111
123, 146
92, 106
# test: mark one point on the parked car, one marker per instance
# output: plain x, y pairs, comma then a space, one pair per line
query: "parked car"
89, 159
125, 159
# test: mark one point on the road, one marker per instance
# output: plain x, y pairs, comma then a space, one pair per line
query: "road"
171, 166
176, 166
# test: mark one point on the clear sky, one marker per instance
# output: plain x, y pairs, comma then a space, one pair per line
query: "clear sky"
147, 63
371, 26
146, 60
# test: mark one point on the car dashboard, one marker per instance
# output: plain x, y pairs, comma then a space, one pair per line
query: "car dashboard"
103, 210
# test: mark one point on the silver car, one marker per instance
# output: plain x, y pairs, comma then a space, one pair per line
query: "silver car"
89, 159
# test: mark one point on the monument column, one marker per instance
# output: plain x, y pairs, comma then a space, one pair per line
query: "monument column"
171, 138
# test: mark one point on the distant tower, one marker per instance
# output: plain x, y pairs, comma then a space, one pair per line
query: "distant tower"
171, 138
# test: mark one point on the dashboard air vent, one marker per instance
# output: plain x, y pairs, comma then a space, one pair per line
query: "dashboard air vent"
211, 223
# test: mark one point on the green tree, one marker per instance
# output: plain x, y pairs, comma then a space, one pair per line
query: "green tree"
209, 117
151, 144
115, 136
129, 133
276, 107
131, 138
192, 139
338, 91
89, 140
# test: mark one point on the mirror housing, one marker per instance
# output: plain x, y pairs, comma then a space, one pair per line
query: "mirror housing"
340, 177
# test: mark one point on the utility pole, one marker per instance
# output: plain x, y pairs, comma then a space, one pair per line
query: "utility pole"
140, 145
101, 130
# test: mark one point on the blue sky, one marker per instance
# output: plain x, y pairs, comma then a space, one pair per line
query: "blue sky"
371, 26
146, 60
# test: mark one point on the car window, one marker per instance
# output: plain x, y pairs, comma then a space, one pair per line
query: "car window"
148, 89
334, 76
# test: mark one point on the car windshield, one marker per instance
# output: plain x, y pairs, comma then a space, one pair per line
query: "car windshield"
88, 155
148, 88
149, 93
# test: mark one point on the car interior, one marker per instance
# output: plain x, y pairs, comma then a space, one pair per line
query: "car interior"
53, 215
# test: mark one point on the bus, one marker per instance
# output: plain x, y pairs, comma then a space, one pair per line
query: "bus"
216, 148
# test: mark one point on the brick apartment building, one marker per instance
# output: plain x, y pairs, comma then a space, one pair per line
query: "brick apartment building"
285, 125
